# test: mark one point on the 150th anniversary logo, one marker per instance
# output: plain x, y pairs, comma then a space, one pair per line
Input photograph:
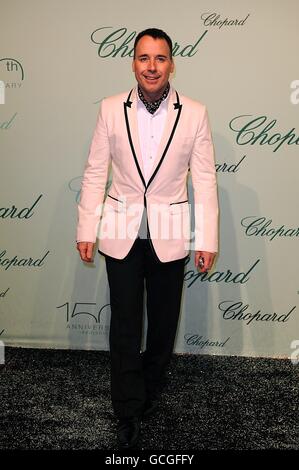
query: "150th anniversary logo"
11, 77
86, 318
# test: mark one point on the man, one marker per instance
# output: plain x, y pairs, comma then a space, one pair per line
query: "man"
151, 136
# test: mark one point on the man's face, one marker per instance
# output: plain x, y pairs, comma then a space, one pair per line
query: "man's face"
152, 66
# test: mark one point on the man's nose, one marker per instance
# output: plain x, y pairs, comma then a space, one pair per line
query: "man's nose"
151, 65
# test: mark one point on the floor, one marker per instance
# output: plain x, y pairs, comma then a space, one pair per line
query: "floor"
58, 399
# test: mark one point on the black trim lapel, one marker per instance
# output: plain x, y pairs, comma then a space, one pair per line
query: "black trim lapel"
178, 107
127, 104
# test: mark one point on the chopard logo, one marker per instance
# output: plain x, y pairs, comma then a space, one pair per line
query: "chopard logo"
14, 213
215, 20
120, 42
229, 167
197, 340
259, 130
260, 226
238, 311
227, 276
15, 261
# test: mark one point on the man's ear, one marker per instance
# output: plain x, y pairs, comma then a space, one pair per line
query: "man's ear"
133, 65
172, 66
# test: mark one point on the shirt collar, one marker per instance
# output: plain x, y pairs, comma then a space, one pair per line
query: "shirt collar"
161, 103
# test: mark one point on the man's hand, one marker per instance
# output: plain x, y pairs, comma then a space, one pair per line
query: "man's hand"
86, 251
207, 260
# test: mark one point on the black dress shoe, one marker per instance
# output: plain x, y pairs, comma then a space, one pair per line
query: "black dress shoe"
128, 432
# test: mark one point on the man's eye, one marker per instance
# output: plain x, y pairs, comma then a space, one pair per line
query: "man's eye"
161, 59
143, 59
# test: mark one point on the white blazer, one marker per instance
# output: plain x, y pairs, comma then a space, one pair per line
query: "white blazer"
186, 144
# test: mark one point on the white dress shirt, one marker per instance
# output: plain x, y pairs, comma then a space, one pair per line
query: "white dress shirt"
150, 128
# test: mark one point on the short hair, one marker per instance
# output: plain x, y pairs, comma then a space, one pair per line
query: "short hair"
156, 34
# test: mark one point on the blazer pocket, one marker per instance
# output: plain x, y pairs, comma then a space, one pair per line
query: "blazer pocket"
179, 220
179, 207
113, 204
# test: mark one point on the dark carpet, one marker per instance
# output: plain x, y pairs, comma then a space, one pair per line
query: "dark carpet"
58, 399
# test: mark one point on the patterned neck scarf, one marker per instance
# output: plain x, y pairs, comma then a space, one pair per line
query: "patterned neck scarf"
152, 107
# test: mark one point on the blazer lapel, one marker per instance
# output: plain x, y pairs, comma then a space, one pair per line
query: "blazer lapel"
171, 122
130, 110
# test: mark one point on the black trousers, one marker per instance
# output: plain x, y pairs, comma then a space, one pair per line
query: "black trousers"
135, 376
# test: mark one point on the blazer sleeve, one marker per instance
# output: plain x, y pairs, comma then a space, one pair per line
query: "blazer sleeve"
203, 174
94, 181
